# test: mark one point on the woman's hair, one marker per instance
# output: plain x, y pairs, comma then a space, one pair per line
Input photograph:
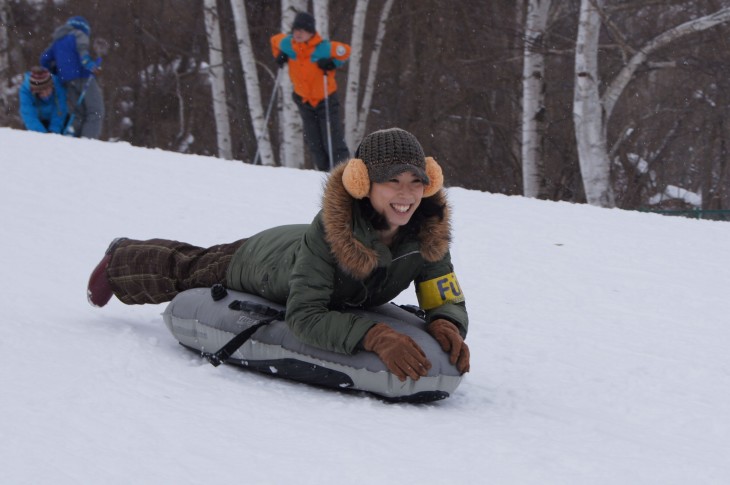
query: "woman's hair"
428, 209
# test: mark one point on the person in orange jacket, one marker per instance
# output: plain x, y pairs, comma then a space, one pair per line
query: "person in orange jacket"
310, 59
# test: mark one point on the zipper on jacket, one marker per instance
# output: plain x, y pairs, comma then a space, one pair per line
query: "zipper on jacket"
406, 254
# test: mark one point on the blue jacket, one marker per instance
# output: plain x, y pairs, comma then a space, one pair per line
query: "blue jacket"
34, 110
68, 56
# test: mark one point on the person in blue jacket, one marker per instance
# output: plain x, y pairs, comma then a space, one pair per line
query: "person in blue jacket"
43, 102
68, 58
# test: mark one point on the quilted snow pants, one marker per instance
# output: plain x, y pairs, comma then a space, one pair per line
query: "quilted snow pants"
156, 270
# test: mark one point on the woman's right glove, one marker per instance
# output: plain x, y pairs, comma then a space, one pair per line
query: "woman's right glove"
401, 355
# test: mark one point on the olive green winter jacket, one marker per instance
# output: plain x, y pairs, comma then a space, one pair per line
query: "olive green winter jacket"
337, 262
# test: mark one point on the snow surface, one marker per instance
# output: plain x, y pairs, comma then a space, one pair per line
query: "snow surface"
600, 341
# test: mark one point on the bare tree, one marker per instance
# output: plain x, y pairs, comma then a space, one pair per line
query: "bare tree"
291, 147
591, 112
587, 111
617, 86
321, 16
353, 72
356, 113
4, 58
253, 87
533, 100
367, 101
217, 80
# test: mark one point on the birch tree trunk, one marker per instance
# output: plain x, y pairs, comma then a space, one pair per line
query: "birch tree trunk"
614, 90
291, 149
367, 101
181, 144
4, 59
591, 112
533, 100
587, 110
353, 72
321, 16
251, 78
217, 80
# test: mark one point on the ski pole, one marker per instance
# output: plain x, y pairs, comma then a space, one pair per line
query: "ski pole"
327, 116
266, 120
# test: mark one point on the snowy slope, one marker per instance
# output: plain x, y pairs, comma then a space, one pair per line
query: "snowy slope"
600, 341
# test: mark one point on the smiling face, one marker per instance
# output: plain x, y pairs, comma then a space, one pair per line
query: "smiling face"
397, 199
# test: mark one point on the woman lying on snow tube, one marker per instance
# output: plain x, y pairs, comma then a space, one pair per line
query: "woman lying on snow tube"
384, 224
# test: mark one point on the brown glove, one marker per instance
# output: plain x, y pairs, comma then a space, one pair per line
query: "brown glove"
401, 355
448, 336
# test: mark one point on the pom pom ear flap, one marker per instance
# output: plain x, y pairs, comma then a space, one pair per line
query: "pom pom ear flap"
435, 177
355, 178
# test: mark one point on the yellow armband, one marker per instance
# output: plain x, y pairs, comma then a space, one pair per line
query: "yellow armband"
438, 291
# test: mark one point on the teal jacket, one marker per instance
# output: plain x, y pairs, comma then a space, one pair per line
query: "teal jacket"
336, 263
43, 115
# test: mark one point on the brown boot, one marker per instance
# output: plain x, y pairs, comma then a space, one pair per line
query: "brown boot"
99, 291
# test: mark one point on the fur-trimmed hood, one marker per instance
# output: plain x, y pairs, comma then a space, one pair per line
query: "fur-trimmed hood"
358, 259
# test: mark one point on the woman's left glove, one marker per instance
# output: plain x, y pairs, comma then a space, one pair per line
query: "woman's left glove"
448, 336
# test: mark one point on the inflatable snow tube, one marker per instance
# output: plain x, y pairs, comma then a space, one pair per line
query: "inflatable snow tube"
205, 325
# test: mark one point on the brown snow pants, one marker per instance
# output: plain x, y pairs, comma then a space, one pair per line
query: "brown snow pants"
156, 270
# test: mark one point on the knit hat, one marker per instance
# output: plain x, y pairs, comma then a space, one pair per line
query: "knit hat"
40, 79
385, 154
304, 21
80, 23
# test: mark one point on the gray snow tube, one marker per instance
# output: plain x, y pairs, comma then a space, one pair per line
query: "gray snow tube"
202, 324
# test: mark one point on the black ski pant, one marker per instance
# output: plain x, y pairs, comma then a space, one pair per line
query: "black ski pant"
314, 119
90, 113
156, 270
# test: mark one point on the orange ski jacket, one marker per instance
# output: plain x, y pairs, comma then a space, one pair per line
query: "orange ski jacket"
306, 76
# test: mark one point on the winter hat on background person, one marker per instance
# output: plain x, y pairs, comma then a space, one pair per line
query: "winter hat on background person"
304, 21
80, 23
385, 154
40, 79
